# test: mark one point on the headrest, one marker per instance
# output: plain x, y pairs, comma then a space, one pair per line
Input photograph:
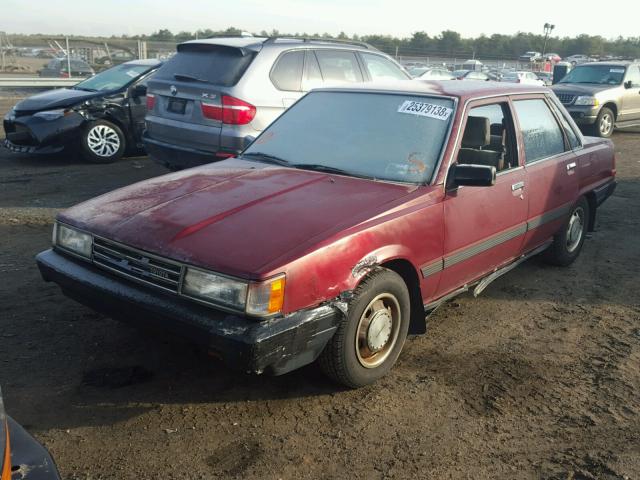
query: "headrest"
477, 133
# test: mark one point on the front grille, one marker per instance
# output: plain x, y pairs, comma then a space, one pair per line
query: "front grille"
566, 98
135, 264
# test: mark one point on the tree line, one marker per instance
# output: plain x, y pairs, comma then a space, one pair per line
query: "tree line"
450, 43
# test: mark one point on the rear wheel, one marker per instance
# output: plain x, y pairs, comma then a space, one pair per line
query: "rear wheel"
568, 241
368, 342
102, 142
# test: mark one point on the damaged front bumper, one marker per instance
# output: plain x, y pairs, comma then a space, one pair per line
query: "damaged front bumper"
29, 459
275, 346
32, 134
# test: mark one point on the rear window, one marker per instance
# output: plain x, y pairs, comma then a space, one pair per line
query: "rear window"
381, 136
213, 64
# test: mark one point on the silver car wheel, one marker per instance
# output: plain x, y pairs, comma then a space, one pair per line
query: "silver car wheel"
378, 330
103, 141
606, 124
575, 229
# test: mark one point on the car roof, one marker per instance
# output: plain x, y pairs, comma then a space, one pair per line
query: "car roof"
255, 44
151, 62
463, 90
619, 63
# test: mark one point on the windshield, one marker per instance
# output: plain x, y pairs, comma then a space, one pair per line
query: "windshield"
114, 78
597, 74
373, 135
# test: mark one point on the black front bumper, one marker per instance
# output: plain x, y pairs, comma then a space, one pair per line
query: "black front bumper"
29, 459
33, 135
276, 346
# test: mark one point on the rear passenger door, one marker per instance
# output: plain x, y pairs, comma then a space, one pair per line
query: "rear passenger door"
550, 165
484, 226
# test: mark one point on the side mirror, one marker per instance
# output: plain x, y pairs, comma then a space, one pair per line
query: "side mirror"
472, 175
139, 90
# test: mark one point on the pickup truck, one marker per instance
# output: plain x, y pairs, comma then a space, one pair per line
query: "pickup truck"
342, 226
601, 96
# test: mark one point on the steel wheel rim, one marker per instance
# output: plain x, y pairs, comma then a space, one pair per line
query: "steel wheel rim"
606, 123
575, 229
103, 141
378, 330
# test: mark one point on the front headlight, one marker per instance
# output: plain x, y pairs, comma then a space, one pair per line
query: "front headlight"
51, 114
259, 299
586, 100
215, 288
73, 240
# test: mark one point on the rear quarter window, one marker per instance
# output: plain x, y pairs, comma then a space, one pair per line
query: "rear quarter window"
380, 68
287, 72
214, 64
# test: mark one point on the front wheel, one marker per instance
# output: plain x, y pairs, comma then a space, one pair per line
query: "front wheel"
604, 123
102, 142
568, 241
369, 340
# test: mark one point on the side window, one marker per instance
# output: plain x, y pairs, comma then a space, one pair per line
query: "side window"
312, 76
489, 138
574, 141
339, 66
381, 68
540, 131
633, 76
287, 72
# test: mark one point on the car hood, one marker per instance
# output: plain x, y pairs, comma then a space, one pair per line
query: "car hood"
52, 99
580, 89
236, 217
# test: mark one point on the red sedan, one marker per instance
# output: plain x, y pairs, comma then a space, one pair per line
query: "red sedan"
347, 221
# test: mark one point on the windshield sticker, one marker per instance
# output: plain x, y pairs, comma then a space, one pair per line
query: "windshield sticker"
132, 73
425, 110
616, 70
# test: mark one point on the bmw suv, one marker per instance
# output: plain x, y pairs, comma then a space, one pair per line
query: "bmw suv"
215, 95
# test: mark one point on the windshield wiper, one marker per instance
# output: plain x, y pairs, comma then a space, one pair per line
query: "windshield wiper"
189, 78
266, 158
84, 89
327, 169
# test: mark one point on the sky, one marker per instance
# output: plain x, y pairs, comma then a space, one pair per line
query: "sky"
397, 17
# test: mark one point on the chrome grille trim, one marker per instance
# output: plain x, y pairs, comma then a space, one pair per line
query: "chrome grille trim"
566, 98
137, 265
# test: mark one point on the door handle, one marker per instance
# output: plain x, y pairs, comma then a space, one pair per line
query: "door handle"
571, 166
517, 186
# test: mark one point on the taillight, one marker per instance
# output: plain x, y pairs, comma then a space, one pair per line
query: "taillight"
151, 101
64, 74
233, 111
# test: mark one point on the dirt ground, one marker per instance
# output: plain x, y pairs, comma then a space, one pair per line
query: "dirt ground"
538, 378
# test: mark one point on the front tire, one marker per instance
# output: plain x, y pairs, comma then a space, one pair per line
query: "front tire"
604, 123
370, 339
568, 242
102, 142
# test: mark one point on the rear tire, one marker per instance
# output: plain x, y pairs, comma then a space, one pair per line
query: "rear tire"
568, 242
370, 338
102, 142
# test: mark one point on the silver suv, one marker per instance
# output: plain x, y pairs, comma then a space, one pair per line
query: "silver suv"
214, 96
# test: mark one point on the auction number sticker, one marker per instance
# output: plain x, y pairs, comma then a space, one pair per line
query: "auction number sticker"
425, 109
616, 70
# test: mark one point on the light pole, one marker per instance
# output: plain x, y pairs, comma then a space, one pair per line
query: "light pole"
548, 28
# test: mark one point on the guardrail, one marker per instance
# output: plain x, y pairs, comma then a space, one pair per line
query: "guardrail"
37, 82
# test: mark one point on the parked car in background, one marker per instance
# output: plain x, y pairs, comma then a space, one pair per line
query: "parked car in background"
21, 456
546, 77
601, 96
470, 75
59, 68
528, 78
436, 74
342, 225
101, 116
552, 57
210, 99
530, 56
577, 59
